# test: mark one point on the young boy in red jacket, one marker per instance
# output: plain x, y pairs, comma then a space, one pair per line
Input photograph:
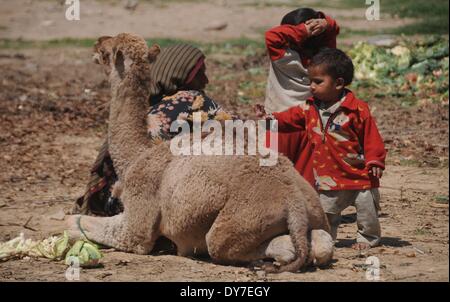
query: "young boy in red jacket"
343, 155
291, 45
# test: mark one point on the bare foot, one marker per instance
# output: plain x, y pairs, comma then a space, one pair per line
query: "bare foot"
359, 246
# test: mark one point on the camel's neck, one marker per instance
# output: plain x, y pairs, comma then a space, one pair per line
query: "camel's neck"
127, 131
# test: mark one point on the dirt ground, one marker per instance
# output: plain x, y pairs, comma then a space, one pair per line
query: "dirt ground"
53, 110
188, 20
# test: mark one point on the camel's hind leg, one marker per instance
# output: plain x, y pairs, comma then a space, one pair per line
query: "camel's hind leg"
243, 234
316, 216
321, 241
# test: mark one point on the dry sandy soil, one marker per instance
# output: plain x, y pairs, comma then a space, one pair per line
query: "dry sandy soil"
53, 110
189, 20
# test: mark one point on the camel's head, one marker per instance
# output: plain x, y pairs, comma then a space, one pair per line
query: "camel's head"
103, 50
119, 52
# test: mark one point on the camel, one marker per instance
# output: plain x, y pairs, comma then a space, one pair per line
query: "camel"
227, 207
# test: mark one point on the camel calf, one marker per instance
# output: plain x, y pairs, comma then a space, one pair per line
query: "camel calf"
226, 206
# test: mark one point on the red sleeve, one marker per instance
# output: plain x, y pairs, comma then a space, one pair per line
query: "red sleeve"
330, 34
291, 119
279, 38
374, 151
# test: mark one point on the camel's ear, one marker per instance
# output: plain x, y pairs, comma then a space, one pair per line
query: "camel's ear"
103, 38
102, 50
119, 62
153, 52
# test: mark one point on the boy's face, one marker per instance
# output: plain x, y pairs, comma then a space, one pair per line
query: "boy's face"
323, 86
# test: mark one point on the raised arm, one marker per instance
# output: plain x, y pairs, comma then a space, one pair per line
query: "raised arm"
331, 32
280, 38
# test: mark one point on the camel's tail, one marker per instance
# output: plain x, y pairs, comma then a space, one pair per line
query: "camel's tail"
300, 236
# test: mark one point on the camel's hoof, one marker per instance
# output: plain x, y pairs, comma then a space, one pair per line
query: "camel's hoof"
72, 227
281, 249
322, 247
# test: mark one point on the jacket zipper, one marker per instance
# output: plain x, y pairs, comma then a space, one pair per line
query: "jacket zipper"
330, 119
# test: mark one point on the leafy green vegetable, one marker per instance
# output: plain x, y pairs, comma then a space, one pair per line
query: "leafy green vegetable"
86, 253
418, 69
52, 247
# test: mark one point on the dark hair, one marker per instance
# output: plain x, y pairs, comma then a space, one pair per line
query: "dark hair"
336, 63
300, 15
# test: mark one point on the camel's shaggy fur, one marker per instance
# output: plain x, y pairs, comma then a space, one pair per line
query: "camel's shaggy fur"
226, 206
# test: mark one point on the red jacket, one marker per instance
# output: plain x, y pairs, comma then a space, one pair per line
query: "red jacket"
329, 159
279, 38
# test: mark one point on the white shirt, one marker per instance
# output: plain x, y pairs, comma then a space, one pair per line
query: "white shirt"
288, 83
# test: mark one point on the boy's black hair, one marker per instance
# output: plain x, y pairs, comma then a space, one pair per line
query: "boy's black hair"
300, 15
336, 62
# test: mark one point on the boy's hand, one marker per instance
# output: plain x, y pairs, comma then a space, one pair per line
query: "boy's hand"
376, 171
260, 111
316, 26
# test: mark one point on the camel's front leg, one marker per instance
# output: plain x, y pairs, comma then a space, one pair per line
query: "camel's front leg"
135, 230
102, 230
